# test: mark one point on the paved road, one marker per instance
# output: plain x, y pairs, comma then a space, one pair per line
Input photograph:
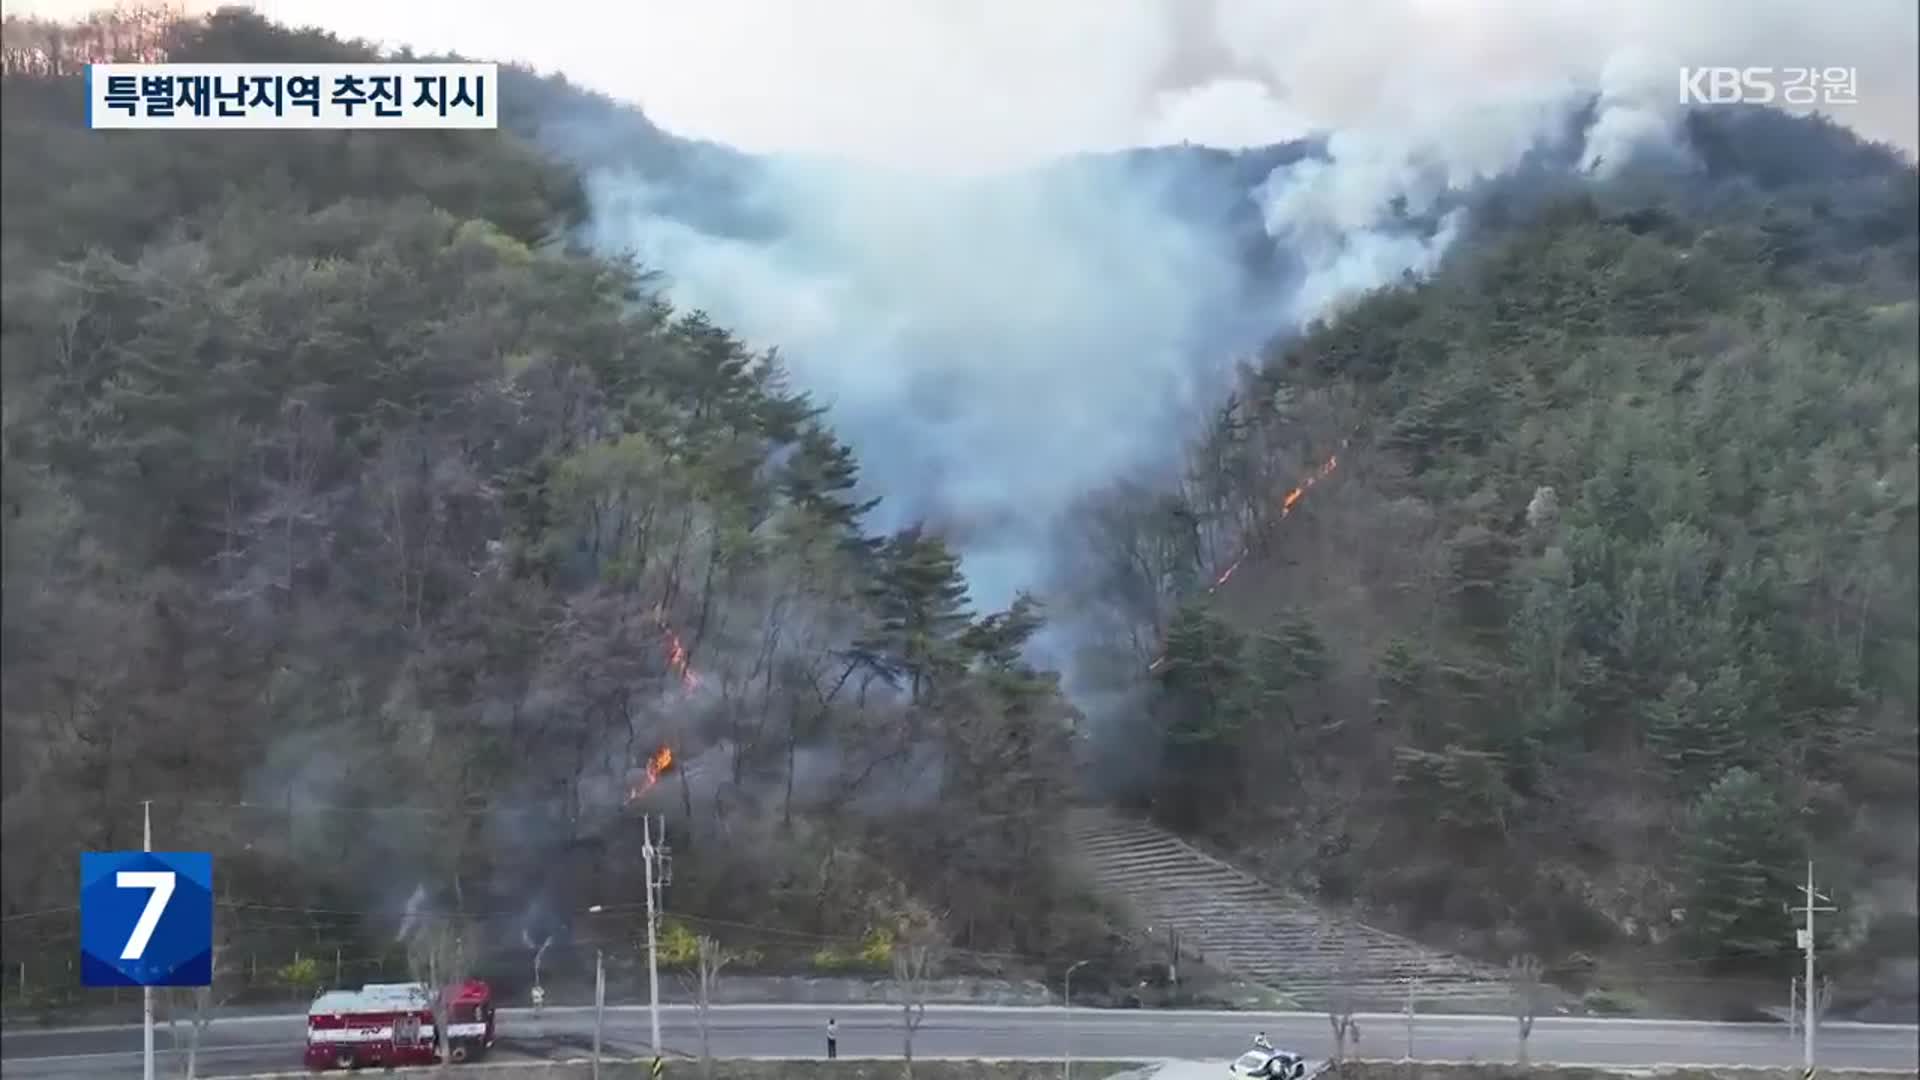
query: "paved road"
262, 1043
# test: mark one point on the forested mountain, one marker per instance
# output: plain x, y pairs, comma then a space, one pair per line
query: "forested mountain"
380, 537
370, 516
1600, 618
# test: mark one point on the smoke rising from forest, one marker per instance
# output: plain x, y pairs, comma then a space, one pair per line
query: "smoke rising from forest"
434, 680
995, 347
971, 85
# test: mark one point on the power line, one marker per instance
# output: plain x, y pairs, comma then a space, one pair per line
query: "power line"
298, 805
628, 908
1038, 816
795, 937
1662, 971
43, 913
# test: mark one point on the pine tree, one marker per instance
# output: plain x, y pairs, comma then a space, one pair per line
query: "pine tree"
1694, 729
998, 638
1738, 867
1202, 708
820, 477
918, 602
1287, 658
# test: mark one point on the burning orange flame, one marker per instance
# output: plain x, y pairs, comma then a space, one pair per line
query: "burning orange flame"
1287, 504
677, 661
657, 763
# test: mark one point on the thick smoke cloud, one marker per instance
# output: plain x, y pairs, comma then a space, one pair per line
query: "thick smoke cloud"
967, 85
991, 348
1367, 63
995, 347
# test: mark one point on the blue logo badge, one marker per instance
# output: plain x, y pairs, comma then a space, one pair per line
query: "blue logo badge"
146, 918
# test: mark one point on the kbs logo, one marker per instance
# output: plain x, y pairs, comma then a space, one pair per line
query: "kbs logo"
1765, 86
146, 918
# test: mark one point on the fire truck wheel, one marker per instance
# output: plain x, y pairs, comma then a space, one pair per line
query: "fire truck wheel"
343, 1060
458, 1054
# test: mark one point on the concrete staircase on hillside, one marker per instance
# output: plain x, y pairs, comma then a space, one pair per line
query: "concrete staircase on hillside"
1249, 929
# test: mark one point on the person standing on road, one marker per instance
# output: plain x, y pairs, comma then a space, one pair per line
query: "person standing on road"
833, 1039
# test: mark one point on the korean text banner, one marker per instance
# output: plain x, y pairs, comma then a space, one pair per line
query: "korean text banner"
293, 96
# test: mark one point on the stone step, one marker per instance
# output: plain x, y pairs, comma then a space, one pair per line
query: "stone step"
1234, 921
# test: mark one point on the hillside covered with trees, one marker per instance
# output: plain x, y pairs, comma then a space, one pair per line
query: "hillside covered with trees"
380, 536
1600, 618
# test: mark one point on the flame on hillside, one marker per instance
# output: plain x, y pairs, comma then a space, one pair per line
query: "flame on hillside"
1288, 503
677, 659
657, 764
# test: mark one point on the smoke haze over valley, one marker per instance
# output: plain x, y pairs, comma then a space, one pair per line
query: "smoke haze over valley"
995, 347
366, 515
998, 331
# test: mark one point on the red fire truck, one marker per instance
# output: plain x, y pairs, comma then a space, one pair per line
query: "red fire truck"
393, 1024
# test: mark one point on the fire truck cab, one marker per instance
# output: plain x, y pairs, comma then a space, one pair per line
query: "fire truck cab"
393, 1024
470, 1027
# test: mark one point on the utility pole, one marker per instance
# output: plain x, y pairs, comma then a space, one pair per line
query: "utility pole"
1814, 903
657, 876
146, 992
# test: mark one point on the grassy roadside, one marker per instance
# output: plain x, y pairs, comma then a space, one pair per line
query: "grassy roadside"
865, 1069
1420, 1070
891, 1068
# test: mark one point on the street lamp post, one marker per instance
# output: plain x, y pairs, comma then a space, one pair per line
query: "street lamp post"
599, 995
1067, 996
599, 1005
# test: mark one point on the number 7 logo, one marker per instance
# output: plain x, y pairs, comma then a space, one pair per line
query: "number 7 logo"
146, 918
161, 882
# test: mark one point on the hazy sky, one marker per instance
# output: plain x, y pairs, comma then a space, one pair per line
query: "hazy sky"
980, 84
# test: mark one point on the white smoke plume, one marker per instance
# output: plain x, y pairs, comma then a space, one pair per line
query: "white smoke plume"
994, 347
1345, 217
996, 341
971, 85
414, 913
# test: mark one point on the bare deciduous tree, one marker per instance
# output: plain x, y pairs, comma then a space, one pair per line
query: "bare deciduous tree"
710, 958
913, 966
437, 956
539, 953
1339, 938
205, 1002
1523, 975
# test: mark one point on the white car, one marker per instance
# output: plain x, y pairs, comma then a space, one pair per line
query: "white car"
1269, 1065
